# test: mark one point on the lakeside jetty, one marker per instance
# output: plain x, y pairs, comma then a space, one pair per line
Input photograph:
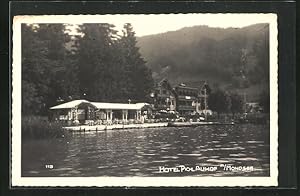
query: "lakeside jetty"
115, 126
83, 128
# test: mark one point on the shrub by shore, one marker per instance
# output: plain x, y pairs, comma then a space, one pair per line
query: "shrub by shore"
38, 127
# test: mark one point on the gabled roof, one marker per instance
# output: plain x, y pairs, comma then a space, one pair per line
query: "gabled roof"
70, 104
101, 105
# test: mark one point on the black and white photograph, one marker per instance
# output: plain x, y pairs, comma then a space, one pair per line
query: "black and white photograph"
145, 100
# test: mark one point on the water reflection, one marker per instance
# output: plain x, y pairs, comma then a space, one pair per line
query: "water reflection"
141, 152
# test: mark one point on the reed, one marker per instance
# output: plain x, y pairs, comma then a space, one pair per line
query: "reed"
38, 127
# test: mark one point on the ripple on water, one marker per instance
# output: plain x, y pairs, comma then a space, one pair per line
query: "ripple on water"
33, 172
62, 169
202, 146
160, 161
138, 152
217, 161
169, 157
144, 154
223, 135
237, 155
134, 169
102, 167
208, 149
234, 148
74, 172
202, 157
246, 159
190, 154
255, 142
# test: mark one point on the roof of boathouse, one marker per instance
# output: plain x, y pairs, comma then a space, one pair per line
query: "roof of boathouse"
119, 106
71, 104
101, 105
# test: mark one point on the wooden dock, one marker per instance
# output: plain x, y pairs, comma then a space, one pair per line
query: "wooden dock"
87, 128
83, 128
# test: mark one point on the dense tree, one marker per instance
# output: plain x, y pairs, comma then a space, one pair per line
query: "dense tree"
46, 67
110, 66
96, 61
137, 76
35, 71
31, 101
264, 101
97, 64
236, 103
205, 89
219, 101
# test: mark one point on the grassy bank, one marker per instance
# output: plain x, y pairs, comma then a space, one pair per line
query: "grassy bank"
38, 127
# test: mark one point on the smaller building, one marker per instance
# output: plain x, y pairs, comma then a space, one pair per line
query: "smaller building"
164, 97
253, 107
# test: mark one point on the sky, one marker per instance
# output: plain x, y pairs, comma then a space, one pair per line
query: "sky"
153, 24
160, 23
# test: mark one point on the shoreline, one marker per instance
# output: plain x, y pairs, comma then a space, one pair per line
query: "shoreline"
83, 128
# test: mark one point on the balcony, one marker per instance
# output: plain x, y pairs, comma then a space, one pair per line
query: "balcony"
161, 106
164, 96
182, 97
186, 107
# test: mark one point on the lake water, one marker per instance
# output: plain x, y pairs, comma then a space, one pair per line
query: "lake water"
141, 152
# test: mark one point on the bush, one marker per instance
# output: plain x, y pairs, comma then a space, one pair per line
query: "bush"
37, 127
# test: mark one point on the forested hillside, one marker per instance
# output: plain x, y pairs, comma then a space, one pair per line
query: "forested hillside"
232, 58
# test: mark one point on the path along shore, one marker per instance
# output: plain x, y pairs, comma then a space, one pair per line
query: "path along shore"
140, 126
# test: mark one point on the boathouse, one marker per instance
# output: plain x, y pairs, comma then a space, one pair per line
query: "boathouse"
83, 112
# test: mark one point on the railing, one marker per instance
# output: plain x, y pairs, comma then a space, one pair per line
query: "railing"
186, 107
161, 106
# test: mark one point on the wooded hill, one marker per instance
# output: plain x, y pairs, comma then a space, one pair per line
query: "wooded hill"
231, 58
98, 64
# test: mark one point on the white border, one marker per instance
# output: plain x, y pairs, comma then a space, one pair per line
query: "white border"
17, 180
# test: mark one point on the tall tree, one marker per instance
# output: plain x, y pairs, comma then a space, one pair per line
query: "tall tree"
264, 101
236, 105
45, 67
137, 75
219, 101
62, 80
35, 70
96, 61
